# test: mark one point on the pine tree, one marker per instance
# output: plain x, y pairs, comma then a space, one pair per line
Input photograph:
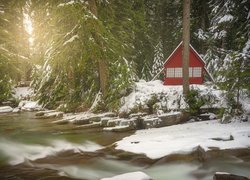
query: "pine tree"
158, 59
14, 50
77, 42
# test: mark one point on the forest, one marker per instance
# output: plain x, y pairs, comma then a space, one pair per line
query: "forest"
87, 90
73, 50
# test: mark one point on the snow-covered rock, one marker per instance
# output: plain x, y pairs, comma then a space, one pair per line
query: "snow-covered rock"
104, 121
56, 114
89, 126
41, 113
80, 120
228, 176
5, 109
185, 138
123, 128
16, 110
130, 176
30, 106
113, 122
151, 122
129, 122
169, 119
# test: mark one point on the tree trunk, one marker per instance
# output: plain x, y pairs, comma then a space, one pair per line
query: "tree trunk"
203, 22
185, 51
102, 63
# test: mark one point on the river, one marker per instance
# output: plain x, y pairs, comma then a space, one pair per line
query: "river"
33, 148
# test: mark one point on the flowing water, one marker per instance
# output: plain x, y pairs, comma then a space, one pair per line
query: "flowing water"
37, 149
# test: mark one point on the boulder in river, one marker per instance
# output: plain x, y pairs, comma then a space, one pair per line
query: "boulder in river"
113, 122
51, 115
132, 175
80, 120
6, 109
227, 176
119, 128
169, 119
16, 110
41, 113
151, 122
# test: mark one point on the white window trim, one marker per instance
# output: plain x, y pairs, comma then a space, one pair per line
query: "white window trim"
176, 72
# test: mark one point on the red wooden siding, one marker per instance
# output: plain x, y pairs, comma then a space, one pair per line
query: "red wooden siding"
174, 61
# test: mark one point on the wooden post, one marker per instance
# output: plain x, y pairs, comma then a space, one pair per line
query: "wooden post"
185, 50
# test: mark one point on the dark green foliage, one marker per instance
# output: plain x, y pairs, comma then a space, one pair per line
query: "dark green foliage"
194, 102
70, 67
133, 37
151, 104
5, 89
14, 48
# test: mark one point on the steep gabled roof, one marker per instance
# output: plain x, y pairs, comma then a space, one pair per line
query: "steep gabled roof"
196, 53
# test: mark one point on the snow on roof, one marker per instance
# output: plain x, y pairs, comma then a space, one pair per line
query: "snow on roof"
185, 138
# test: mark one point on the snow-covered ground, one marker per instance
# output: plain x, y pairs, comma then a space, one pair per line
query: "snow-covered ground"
170, 97
24, 95
184, 138
132, 175
22, 92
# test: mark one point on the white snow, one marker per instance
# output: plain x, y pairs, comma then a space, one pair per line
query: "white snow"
245, 101
65, 4
5, 109
201, 34
246, 49
173, 99
29, 105
116, 128
71, 30
22, 92
71, 39
184, 138
226, 18
132, 175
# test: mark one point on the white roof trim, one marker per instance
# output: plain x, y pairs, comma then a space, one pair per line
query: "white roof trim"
172, 53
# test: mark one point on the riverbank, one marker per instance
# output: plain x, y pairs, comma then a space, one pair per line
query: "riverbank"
42, 148
185, 138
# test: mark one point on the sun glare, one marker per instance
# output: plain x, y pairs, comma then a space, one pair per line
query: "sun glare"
28, 27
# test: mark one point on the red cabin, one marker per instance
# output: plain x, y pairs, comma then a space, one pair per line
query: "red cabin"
173, 67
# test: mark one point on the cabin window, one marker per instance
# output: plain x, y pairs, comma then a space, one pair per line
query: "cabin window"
197, 72
170, 72
190, 72
178, 72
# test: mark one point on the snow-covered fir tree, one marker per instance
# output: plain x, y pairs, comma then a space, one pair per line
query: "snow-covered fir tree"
158, 59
